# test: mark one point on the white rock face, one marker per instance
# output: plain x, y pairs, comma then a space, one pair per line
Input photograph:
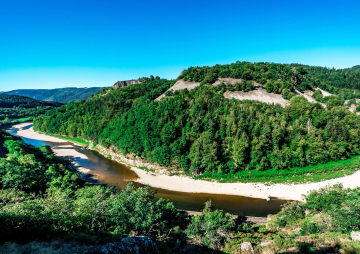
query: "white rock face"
179, 85
246, 247
355, 236
265, 243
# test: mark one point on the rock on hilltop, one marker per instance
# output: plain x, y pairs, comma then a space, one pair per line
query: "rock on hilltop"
125, 83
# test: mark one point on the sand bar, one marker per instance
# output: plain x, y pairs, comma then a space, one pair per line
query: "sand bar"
63, 150
256, 190
186, 184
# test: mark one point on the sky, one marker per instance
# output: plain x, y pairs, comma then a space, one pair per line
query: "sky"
53, 44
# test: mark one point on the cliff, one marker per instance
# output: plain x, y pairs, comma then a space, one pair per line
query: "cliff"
125, 83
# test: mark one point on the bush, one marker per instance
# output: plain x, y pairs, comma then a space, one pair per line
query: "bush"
211, 228
309, 228
90, 210
326, 198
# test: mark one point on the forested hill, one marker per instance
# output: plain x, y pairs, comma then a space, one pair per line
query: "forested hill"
203, 133
302, 77
65, 95
356, 68
14, 107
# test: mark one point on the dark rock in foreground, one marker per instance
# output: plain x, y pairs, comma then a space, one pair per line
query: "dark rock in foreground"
128, 245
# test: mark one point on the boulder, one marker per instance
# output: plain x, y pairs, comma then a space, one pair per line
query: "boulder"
355, 236
265, 243
246, 247
128, 245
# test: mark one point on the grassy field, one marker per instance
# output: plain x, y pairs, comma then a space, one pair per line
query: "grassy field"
313, 173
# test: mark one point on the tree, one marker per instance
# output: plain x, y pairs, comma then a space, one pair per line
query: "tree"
240, 147
203, 153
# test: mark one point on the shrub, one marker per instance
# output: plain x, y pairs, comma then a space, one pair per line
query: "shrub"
211, 228
326, 198
309, 228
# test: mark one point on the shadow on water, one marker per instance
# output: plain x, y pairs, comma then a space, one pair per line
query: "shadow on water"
104, 171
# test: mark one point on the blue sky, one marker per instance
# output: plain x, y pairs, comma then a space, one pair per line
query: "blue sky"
51, 44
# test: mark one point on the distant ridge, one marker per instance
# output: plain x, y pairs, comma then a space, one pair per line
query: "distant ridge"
64, 95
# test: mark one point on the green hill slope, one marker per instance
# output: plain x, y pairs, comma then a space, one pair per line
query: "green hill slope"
203, 133
14, 107
65, 95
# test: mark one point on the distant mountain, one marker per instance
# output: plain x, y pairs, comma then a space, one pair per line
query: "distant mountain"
65, 95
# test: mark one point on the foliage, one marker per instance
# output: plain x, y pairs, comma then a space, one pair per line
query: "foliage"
337, 209
211, 227
326, 198
34, 169
92, 209
88, 213
201, 131
42, 197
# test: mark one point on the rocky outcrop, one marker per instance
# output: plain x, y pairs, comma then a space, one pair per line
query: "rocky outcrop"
355, 236
125, 83
179, 85
181, 73
246, 247
128, 245
137, 161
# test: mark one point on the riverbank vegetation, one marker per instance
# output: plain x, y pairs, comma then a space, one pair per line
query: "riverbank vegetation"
207, 135
44, 206
76, 140
311, 173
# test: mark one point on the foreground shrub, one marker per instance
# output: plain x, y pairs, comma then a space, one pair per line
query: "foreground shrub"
93, 209
211, 228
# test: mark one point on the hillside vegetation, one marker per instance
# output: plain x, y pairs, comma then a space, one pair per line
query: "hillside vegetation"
14, 108
205, 134
64, 95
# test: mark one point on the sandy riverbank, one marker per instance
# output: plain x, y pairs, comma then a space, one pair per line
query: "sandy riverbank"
61, 150
186, 184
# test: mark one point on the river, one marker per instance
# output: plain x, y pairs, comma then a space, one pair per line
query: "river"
111, 173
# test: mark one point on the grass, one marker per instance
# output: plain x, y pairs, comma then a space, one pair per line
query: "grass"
312, 173
95, 148
21, 120
79, 141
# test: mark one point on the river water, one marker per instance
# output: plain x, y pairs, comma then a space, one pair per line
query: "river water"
111, 173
